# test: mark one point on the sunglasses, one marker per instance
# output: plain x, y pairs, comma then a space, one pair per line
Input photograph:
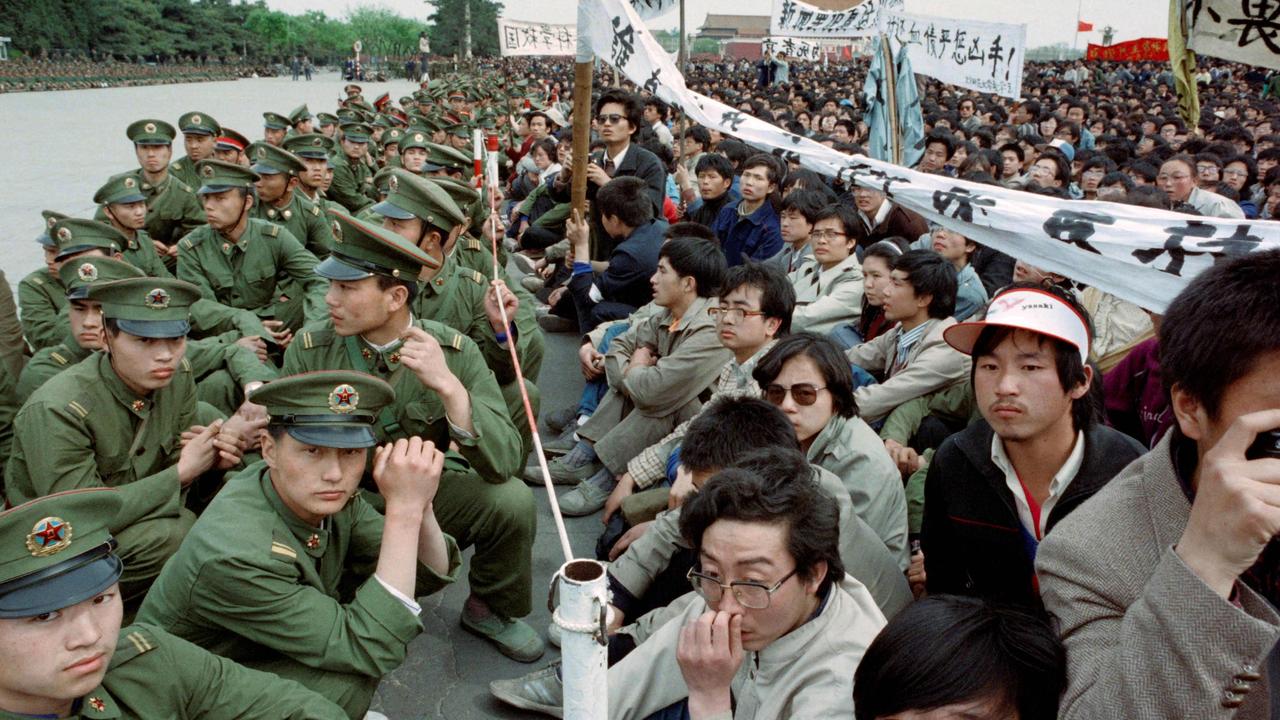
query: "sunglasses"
610, 119
803, 393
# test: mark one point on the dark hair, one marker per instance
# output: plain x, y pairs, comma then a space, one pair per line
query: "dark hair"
699, 259
1016, 149
807, 203
1061, 168
855, 232
690, 229
546, 119
624, 198
1144, 170
548, 146
948, 649
630, 103
774, 169
716, 163
700, 135
777, 294
1071, 374
659, 105
386, 283
1204, 350
930, 274
824, 353
807, 180
772, 496
1116, 177
736, 150
945, 138
730, 427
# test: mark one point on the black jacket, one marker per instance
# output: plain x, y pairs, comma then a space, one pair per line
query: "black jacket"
972, 539
638, 162
632, 263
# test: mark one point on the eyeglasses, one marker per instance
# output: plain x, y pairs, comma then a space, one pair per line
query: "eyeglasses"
752, 595
803, 393
1175, 178
1236, 173
732, 313
825, 234
1206, 167
610, 119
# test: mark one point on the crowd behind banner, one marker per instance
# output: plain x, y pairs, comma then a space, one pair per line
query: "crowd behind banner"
990, 435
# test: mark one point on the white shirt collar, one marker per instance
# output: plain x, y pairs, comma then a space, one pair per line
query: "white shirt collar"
1057, 486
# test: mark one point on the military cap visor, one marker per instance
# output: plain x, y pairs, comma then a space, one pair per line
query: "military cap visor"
336, 267
56, 551
275, 121
119, 191
147, 307
197, 123
217, 176
388, 209
328, 408
151, 132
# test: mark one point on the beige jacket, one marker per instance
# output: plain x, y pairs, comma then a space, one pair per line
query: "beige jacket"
826, 298
932, 365
807, 673
1146, 638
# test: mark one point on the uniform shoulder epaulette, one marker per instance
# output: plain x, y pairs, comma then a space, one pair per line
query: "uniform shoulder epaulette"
78, 409
35, 279
58, 358
444, 334
272, 229
181, 186
192, 239
472, 244
134, 640
315, 210
280, 548
186, 365
475, 276
315, 338
177, 166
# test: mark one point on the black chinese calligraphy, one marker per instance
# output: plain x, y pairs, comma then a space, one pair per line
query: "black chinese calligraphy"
1076, 227
959, 203
623, 47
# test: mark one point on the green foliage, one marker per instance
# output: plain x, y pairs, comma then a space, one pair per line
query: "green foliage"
449, 27
161, 30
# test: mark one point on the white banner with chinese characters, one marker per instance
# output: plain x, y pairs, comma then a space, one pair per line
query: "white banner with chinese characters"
981, 56
516, 37
795, 18
649, 9
1246, 31
1139, 254
792, 48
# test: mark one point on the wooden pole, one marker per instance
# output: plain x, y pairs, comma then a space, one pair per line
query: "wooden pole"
581, 134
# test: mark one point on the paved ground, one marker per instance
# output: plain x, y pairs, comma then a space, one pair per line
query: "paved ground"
448, 670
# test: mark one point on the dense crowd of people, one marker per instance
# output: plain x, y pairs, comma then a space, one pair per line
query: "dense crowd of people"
272, 396
34, 75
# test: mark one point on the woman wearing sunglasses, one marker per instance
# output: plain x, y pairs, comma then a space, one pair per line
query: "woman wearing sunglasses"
809, 379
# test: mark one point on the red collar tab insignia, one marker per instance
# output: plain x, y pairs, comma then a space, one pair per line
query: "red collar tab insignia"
313, 542
97, 704
139, 405
157, 299
49, 536
344, 399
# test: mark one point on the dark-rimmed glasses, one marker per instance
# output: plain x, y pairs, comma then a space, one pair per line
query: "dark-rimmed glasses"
802, 393
748, 593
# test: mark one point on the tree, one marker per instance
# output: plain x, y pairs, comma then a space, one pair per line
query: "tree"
448, 28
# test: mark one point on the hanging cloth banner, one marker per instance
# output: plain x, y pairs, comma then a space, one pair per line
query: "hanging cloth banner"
1139, 254
981, 56
529, 38
649, 9
1243, 31
800, 19
1140, 50
794, 48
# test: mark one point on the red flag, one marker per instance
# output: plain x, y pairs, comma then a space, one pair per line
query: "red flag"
1082, 26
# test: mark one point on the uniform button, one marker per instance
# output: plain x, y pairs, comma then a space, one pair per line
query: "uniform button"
1249, 673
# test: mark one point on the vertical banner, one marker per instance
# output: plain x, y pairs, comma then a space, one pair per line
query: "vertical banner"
1244, 31
800, 19
649, 9
528, 38
792, 47
981, 56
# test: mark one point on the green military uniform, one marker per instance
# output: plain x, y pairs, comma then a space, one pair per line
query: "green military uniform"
478, 502
71, 237
55, 553
42, 301
193, 123
172, 207
85, 428
318, 147
352, 185
138, 250
9, 404
301, 217
247, 273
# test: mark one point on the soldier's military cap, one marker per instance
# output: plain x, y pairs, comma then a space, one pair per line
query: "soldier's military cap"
459, 130
275, 121
467, 198
352, 90
270, 160
80, 274
217, 176
361, 250
382, 121
406, 101
51, 217
362, 107
120, 189
299, 114
349, 115
311, 145
146, 306
412, 196
414, 138
356, 132
450, 158
231, 140
326, 119
392, 136
74, 235
382, 179
151, 132
329, 408
198, 123
57, 551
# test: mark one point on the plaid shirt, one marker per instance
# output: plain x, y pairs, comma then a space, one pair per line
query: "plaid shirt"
650, 466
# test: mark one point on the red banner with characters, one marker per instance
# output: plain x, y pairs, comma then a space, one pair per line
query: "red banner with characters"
1131, 51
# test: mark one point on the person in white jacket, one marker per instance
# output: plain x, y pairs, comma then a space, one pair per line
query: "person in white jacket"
829, 282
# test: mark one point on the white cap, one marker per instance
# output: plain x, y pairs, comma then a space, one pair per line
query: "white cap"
1029, 309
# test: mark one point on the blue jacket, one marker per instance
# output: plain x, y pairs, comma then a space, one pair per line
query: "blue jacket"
631, 264
758, 236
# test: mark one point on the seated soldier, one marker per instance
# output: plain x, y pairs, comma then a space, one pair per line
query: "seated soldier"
60, 595
659, 371
755, 308
281, 203
237, 261
172, 207
911, 359
125, 209
263, 575
41, 297
223, 372
446, 394
956, 657
615, 288
117, 420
